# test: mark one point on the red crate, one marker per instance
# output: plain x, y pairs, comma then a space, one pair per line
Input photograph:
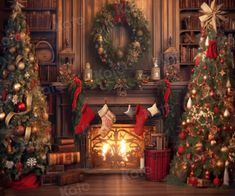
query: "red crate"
157, 164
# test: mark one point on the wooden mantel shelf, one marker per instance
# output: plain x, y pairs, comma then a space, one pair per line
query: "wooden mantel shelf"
146, 95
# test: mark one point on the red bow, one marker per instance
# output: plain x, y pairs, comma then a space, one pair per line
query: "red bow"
77, 92
212, 50
120, 12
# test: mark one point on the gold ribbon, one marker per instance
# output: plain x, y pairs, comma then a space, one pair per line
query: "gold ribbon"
27, 133
212, 15
12, 114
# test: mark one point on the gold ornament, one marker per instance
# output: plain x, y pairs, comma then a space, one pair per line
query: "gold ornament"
205, 77
2, 116
12, 50
20, 130
219, 163
21, 66
183, 123
213, 142
35, 129
45, 116
27, 50
11, 67
119, 53
136, 44
17, 87
22, 35
211, 137
99, 38
212, 15
100, 51
198, 146
226, 113
140, 33
188, 121
194, 92
31, 58
224, 149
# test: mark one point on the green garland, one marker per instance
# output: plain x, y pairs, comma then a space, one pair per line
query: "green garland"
130, 17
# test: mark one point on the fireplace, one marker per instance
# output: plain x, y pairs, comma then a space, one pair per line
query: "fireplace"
121, 148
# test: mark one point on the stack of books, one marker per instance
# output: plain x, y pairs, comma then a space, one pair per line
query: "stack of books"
63, 164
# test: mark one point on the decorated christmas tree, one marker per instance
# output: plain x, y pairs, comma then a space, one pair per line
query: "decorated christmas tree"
24, 126
205, 153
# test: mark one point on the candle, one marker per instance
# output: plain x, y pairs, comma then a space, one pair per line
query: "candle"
142, 163
87, 74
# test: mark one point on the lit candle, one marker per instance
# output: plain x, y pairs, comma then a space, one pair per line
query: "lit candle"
87, 74
142, 163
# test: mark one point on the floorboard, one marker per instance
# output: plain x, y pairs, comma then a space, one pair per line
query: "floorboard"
120, 185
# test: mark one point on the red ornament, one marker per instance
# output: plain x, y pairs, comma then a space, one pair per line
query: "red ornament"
17, 36
216, 181
216, 110
212, 50
222, 52
21, 107
182, 135
205, 67
180, 149
197, 61
188, 156
19, 166
192, 71
222, 61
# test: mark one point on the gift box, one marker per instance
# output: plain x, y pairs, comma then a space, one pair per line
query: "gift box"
157, 164
197, 182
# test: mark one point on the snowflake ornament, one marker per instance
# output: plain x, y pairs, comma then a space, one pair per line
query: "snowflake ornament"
27, 75
9, 164
31, 162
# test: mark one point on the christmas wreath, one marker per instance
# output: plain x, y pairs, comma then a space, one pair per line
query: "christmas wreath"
121, 14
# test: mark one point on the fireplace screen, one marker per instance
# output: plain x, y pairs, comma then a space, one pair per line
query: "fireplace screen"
120, 148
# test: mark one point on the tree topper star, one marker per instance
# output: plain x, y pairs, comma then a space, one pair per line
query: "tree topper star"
213, 15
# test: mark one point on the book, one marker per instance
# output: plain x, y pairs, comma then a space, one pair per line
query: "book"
64, 148
70, 177
65, 158
65, 141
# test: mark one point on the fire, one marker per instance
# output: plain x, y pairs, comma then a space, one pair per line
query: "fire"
105, 150
123, 150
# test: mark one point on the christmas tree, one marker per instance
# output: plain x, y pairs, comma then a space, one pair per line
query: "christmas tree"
24, 126
205, 152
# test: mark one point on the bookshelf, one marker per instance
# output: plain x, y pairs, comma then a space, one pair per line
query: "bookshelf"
189, 30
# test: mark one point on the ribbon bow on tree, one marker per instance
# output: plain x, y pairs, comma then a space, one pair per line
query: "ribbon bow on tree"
212, 15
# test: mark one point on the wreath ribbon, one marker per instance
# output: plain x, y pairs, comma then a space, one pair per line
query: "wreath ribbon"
120, 12
12, 114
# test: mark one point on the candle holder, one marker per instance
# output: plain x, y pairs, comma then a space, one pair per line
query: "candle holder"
87, 73
155, 71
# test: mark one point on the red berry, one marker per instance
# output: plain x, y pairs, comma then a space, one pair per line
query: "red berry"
188, 156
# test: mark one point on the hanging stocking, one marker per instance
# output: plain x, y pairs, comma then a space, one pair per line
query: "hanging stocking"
141, 116
108, 118
87, 116
153, 110
129, 112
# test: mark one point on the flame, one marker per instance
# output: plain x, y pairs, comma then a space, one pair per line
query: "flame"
105, 150
123, 150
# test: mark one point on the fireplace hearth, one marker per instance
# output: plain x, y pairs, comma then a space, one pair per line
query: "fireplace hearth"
121, 148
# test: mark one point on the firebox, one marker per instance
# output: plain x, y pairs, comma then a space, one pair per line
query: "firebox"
121, 148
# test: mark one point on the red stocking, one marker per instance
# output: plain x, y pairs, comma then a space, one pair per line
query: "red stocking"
141, 116
87, 116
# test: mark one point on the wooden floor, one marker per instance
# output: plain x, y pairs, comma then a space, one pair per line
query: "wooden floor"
112, 185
